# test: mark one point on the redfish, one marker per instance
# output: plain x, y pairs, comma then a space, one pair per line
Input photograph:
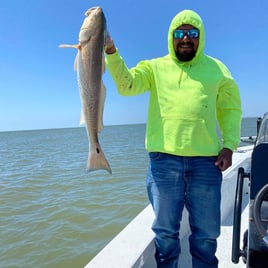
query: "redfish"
90, 66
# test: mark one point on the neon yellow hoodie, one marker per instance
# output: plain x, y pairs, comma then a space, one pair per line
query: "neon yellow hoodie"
186, 98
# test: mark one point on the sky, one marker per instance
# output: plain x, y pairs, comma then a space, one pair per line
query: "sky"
38, 85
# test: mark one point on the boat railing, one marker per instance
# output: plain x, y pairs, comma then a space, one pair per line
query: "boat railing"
255, 239
262, 136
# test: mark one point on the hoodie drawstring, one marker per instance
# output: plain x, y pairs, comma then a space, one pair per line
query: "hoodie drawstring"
185, 69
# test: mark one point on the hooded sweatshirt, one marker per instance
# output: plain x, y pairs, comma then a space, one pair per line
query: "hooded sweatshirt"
188, 100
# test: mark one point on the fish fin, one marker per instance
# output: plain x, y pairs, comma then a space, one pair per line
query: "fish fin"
101, 107
82, 118
70, 46
76, 63
97, 160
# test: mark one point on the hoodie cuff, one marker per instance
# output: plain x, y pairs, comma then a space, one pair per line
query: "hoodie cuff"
112, 57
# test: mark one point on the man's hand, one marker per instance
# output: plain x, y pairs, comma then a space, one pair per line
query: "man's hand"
224, 159
109, 44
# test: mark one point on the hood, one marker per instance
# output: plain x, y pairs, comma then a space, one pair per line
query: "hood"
186, 17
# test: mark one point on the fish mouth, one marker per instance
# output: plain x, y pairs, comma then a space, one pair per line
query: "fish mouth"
96, 10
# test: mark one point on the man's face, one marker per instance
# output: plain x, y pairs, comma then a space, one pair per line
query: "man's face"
185, 42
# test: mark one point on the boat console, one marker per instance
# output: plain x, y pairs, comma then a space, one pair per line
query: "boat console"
255, 241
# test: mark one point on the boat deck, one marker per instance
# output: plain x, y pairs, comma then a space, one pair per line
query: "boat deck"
133, 246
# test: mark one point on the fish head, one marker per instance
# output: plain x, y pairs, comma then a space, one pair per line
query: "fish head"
93, 23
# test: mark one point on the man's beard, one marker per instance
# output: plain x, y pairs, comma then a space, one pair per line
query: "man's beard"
185, 56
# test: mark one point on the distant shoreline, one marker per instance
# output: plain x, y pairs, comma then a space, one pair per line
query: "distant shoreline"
112, 125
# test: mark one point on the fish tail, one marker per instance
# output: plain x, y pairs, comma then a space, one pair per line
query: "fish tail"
96, 160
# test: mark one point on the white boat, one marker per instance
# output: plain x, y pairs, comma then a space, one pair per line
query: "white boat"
133, 247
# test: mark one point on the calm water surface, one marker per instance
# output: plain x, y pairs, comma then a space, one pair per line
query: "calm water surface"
54, 214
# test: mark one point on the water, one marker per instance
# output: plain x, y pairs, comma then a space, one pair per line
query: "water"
54, 214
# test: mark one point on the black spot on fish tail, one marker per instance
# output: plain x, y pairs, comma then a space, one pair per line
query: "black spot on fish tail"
97, 150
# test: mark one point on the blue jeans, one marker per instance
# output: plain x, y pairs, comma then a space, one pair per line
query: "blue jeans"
194, 182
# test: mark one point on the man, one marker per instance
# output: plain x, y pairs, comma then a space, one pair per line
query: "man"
190, 93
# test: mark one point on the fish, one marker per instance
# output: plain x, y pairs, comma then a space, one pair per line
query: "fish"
90, 66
